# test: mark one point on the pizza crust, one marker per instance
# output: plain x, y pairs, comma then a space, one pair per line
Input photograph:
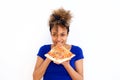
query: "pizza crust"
58, 60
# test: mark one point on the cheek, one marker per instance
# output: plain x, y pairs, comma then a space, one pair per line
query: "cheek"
53, 39
65, 37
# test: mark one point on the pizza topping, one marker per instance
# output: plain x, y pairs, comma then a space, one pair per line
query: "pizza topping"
59, 53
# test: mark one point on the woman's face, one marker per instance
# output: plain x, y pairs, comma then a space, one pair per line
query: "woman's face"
59, 35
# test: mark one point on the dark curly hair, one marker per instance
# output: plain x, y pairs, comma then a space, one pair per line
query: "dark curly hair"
60, 17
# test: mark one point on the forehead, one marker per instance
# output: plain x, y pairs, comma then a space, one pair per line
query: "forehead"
59, 29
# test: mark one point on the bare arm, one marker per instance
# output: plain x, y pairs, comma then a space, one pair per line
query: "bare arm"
40, 68
75, 74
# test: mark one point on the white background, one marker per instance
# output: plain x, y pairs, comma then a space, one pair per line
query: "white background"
95, 28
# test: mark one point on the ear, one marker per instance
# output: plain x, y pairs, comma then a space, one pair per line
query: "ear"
50, 33
67, 33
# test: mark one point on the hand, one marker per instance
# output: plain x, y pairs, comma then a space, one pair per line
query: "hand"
63, 63
49, 60
66, 63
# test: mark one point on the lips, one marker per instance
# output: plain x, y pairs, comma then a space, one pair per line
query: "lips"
59, 43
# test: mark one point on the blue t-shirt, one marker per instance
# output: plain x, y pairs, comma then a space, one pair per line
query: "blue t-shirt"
57, 71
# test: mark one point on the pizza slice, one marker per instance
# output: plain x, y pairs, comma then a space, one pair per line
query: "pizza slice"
59, 54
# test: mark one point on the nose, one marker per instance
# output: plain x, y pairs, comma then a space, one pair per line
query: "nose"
58, 39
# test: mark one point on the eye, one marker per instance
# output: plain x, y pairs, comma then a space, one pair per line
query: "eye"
54, 34
62, 34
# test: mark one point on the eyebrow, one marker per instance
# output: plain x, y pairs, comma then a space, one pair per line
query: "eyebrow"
63, 33
53, 32
56, 33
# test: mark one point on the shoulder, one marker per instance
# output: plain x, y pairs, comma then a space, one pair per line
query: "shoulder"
43, 50
77, 51
45, 46
75, 47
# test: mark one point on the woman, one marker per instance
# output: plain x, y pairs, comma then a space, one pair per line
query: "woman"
69, 70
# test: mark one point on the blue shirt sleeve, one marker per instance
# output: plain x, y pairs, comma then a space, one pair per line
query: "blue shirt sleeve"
43, 50
78, 53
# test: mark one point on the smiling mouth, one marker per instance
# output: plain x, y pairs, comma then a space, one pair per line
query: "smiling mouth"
59, 43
